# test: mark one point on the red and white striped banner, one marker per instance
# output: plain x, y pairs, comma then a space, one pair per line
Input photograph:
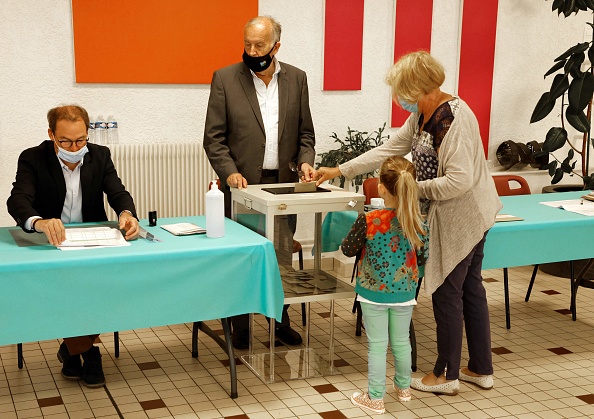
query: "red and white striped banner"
413, 28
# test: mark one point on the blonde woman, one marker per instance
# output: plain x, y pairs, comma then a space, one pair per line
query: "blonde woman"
393, 244
459, 195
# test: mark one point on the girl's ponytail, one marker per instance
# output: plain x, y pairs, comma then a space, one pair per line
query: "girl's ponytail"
398, 176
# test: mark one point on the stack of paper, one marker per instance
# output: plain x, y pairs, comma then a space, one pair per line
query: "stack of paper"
183, 229
92, 237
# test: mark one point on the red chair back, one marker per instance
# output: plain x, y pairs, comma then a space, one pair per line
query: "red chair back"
507, 185
370, 189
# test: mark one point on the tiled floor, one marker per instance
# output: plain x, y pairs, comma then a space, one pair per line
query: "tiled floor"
544, 368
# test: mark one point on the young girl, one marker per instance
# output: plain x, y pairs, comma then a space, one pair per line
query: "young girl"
393, 244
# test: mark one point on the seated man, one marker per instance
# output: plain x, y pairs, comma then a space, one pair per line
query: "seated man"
62, 181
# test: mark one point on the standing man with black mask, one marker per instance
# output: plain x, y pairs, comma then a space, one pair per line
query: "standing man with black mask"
258, 122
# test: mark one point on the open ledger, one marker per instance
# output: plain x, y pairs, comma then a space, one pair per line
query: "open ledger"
183, 229
92, 237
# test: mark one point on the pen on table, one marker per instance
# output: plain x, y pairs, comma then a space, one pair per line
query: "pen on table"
148, 236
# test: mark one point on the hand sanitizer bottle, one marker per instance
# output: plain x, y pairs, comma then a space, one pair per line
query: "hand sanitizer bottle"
215, 211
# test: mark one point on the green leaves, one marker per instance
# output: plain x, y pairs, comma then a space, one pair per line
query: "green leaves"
354, 144
580, 92
577, 119
555, 139
568, 7
542, 108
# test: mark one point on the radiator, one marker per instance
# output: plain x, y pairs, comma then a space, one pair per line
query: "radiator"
168, 178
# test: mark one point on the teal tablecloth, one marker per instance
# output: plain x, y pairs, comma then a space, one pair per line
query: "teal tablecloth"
47, 293
545, 235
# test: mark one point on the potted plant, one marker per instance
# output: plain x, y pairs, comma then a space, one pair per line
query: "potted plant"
354, 144
573, 87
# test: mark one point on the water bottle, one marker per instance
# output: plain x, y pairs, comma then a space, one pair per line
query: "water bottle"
112, 130
91, 132
215, 211
100, 131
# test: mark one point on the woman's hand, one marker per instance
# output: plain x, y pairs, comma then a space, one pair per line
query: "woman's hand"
326, 173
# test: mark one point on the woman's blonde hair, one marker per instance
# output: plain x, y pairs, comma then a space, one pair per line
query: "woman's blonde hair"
398, 176
414, 75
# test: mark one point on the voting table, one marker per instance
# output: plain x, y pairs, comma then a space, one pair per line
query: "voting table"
47, 293
544, 234
257, 207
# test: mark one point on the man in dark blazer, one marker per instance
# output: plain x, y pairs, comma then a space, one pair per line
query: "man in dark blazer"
258, 122
60, 181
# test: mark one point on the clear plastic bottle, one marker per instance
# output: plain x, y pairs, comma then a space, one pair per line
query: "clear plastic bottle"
112, 130
215, 211
100, 131
91, 131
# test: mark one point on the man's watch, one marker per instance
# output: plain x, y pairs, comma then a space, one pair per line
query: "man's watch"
33, 225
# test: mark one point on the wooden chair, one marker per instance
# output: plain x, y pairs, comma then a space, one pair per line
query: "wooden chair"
508, 185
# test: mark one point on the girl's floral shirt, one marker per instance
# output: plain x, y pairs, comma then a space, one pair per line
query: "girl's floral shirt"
388, 269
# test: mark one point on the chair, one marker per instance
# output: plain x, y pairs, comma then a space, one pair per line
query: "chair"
370, 189
508, 185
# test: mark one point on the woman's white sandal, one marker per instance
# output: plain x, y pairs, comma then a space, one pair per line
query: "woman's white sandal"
449, 388
485, 381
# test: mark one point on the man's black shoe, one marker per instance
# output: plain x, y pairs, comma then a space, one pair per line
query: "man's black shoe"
240, 338
92, 371
72, 368
288, 336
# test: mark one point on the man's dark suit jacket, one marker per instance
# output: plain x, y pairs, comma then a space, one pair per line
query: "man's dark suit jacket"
234, 135
40, 188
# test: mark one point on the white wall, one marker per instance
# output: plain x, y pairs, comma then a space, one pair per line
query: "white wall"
37, 73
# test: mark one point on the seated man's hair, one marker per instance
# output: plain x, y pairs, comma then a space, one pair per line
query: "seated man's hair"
69, 113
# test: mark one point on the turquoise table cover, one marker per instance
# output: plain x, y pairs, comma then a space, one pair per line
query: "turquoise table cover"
545, 234
46, 293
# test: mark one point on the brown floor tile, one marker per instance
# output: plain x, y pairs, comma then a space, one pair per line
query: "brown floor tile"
564, 311
490, 280
333, 414
588, 398
324, 315
501, 351
152, 404
50, 401
149, 365
244, 416
325, 388
550, 292
225, 362
340, 363
560, 351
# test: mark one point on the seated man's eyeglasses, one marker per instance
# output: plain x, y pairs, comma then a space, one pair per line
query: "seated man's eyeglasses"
68, 143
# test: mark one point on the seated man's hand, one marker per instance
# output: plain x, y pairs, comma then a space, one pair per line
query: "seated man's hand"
53, 229
307, 172
326, 173
129, 224
235, 180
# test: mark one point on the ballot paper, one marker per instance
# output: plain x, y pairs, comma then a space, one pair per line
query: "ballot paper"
579, 206
506, 217
92, 238
183, 229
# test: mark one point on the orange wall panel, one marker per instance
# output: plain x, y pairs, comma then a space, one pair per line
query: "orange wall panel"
157, 41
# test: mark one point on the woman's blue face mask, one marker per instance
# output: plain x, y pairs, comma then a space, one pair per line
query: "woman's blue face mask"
411, 107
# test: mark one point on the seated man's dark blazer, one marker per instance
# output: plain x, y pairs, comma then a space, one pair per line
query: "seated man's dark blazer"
40, 188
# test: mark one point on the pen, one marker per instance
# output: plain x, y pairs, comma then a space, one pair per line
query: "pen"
148, 236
